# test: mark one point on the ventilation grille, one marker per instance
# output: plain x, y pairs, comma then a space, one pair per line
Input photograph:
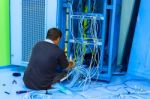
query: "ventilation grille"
33, 25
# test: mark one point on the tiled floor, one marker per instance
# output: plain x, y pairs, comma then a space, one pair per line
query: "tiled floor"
120, 87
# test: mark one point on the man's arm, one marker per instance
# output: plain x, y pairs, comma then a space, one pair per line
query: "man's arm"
63, 62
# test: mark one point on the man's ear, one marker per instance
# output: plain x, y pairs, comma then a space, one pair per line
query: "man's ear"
58, 38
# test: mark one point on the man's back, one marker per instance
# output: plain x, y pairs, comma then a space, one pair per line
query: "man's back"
42, 65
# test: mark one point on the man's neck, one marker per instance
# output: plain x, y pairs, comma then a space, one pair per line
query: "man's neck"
49, 41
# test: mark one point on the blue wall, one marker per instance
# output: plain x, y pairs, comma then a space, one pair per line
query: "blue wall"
139, 63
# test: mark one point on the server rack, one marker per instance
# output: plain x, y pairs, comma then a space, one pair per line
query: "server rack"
105, 12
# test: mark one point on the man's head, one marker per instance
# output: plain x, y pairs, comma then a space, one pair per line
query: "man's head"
54, 34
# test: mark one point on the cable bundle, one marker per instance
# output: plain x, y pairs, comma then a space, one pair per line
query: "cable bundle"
85, 41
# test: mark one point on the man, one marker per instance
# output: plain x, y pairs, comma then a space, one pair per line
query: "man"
45, 60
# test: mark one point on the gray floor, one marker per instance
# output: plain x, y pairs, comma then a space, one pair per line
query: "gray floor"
120, 87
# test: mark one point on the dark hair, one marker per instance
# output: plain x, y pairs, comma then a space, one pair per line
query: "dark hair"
54, 34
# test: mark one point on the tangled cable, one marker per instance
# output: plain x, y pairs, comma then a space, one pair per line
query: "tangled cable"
86, 41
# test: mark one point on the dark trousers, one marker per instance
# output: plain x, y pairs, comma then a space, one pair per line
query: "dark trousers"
58, 77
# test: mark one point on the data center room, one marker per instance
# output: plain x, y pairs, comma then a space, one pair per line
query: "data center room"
108, 41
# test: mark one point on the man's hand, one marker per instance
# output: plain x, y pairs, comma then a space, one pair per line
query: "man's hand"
71, 65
